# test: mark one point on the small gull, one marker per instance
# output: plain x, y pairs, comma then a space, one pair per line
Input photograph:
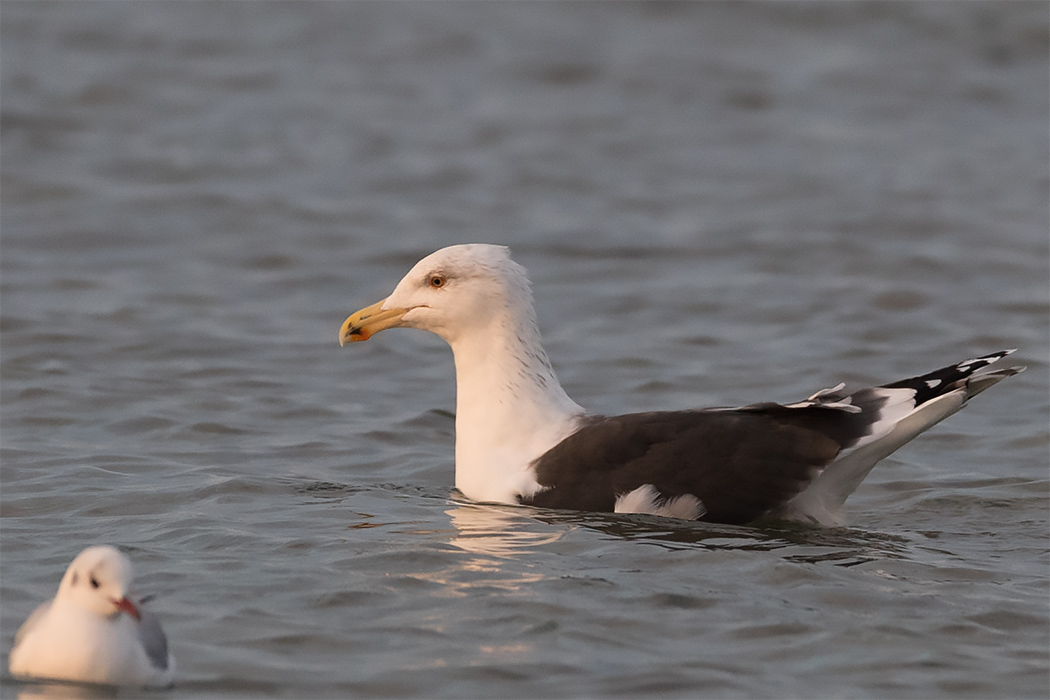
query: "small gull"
92, 631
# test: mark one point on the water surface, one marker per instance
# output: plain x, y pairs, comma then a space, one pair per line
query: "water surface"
718, 203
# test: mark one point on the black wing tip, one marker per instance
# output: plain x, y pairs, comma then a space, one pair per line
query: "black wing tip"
941, 381
989, 358
968, 368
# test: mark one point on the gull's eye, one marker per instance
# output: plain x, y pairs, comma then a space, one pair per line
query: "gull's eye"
437, 281
94, 581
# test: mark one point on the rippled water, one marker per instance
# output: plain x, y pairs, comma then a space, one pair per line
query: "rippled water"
719, 203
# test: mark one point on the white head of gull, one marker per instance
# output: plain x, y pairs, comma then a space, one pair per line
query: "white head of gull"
510, 407
92, 631
520, 439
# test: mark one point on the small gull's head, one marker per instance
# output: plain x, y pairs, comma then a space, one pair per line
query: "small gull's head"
99, 580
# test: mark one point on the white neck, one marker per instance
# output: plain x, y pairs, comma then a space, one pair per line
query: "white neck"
510, 409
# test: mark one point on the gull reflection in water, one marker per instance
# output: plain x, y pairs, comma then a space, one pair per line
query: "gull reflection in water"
62, 690
500, 531
509, 531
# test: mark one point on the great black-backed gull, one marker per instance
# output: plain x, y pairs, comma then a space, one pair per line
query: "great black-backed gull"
92, 631
520, 439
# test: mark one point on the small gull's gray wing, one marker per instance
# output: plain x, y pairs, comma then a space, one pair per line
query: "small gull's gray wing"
153, 640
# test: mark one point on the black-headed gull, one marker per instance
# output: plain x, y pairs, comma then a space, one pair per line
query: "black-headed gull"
92, 631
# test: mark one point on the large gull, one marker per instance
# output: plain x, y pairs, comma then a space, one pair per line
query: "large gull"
92, 631
520, 439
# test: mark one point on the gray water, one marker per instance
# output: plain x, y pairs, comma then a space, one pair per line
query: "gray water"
719, 203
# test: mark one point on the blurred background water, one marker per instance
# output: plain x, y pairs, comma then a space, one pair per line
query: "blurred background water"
719, 203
